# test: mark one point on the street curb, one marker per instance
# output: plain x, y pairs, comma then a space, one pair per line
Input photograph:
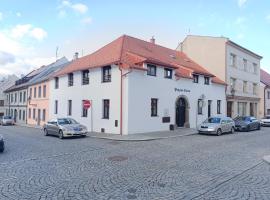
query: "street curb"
27, 126
139, 140
266, 159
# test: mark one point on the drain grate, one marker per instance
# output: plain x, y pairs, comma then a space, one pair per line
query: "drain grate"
118, 158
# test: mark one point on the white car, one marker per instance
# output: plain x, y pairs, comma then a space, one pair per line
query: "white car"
265, 121
7, 120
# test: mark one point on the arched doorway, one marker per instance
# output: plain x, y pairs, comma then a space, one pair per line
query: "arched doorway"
182, 112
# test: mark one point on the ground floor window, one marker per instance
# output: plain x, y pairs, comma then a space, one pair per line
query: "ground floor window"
268, 111
55, 107
34, 113
154, 107
44, 115
69, 107
23, 115
218, 106
106, 108
241, 108
200, 107
29, 113
20, 114
84, 110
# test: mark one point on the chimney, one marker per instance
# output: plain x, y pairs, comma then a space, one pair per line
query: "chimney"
153, 40
76, 56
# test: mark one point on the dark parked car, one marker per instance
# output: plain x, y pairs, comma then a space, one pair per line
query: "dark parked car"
2, 144
247, 123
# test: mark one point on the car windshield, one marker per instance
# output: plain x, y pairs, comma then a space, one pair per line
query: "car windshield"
214, 120
64, 121
7, 117
242, 119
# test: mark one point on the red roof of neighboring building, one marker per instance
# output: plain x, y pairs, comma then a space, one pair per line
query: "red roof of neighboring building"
131, 52
265, 77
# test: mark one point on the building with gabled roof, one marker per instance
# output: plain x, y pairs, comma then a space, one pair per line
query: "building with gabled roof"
135, 86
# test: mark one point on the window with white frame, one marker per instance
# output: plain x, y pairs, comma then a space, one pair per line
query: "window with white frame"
200, 106
232, 60
245, 86
245, 64
85, 77
255, 68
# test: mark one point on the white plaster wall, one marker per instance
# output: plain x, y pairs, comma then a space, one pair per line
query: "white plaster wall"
143, 87
95, 91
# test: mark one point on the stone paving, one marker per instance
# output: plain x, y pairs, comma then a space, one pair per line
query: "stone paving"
191, 167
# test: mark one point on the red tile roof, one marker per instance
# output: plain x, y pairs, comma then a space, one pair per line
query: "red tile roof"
131, 52
265, 78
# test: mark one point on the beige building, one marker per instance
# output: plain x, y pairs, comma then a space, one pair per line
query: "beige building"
264, 94
232, 63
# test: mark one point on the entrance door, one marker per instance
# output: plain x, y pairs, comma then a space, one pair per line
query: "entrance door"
38, 118
180, 112
229, 109
251, 107
209, 108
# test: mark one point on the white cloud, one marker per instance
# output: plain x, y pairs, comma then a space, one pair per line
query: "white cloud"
268, 17
87, 20
22, 30
18, 14
241, 3
77, 7
6, 58
240, 20
1, 16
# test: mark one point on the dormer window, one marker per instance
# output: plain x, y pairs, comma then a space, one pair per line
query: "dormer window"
206, 80
70, 79
168, 73
106, 74
151, 70
195, 78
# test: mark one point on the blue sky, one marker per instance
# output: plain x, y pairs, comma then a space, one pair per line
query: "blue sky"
30, 30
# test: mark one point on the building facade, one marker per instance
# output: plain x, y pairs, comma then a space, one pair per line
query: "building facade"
136, 86
264, 94
38, 91
232, 63
5, 83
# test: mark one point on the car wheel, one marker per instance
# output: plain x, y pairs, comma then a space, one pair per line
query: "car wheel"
61, 136
219, 132
232, 130
46, 132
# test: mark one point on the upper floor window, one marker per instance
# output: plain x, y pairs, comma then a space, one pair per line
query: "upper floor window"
85, 77
232, 82
154, 107
20, 96
24, 96
255, 68
70, 79
268, 95
30, 93
56, 82
11, 97
39, 91
35, 92
232, 60
44, 91
1, 103
254, 88
245, 64
106, 74
151, 70
168, 73
195, 78
245, 86
206, 80
15, 98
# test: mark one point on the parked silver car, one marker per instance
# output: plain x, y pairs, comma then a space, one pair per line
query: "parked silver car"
7, 120
217, 126
64, 127
265, 121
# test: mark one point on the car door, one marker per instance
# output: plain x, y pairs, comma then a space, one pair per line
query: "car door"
54, 127
223, 126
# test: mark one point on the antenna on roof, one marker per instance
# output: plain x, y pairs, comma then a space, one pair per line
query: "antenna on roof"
56, 53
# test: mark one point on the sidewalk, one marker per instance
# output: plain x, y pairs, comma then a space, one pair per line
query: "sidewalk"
145, 136
29, 126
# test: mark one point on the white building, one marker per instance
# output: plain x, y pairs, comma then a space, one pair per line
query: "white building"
5, 83
264, 94
232, 63
136, 86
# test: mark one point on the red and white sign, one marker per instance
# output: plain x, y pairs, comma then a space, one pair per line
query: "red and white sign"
86, 104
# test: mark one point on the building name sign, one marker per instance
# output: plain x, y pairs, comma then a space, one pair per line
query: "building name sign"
181, 90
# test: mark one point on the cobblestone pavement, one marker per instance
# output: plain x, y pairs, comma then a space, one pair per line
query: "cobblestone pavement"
192, 167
